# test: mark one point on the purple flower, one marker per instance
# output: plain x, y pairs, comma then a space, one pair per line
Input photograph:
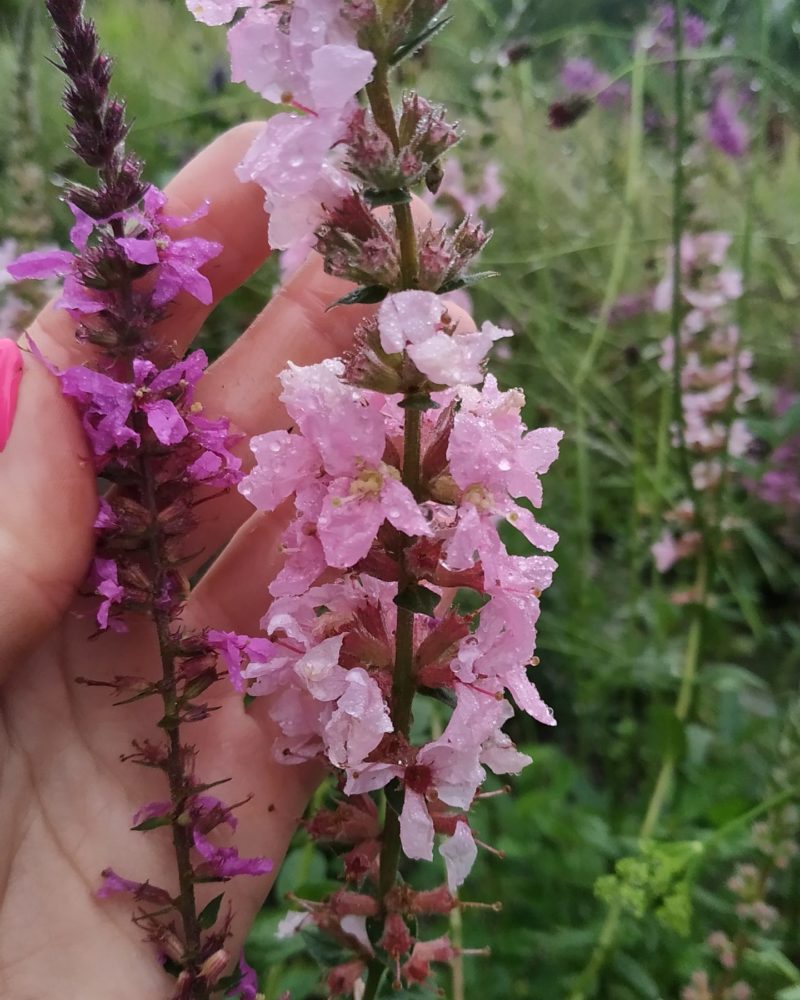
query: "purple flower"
581, 76
247, 987
224, 862
239, 652
725, 128
150, 245
141, 891
105, 580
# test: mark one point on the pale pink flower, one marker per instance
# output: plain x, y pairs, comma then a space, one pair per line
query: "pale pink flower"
417, 322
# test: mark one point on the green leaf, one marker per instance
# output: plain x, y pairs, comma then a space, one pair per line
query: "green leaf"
418, 599
466, 281
375, 199
773, 960
439, 694
153, 824
467, 601
209, 913
409, 48
363, 295
322, 949
419, 401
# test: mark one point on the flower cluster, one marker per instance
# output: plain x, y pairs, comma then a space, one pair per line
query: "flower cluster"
779, 483
402, 462
152, 442
305, 56
750, 885
714, 379
724, 97
315, 57
329, 662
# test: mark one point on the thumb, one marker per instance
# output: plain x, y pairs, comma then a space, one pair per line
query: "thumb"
47, 503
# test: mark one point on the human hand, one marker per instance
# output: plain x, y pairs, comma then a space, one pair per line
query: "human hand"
67, 800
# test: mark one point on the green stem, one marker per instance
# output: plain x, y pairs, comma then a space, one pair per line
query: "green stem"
403, 680
613, 288
380, 101
587, 979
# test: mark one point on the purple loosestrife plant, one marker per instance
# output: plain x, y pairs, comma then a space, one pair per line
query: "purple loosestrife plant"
715, 387
402, 461
152, 442
724, 95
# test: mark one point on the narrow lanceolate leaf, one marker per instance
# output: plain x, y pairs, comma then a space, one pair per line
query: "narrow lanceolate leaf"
466, 281
208, 916
375, 199
418, 599
366, 295
421, 39
153, 823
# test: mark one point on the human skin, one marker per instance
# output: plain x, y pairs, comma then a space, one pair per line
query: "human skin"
66, 799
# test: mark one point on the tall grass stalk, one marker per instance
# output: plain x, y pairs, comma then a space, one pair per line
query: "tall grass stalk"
621, 255
587, 979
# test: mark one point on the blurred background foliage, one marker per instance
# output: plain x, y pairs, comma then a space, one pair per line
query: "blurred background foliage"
611, 639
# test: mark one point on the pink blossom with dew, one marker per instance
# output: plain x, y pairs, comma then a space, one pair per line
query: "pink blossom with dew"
312, 62
417, 323
361, 491
216, 12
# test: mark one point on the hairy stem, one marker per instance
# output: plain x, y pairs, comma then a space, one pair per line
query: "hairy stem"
179, 784
380, 100
403, 683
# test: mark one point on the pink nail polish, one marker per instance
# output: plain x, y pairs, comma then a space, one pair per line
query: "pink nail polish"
10, 375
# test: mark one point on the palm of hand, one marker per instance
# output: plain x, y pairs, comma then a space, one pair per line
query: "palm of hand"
67, 798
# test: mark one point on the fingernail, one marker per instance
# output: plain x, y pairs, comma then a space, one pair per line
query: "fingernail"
10, 375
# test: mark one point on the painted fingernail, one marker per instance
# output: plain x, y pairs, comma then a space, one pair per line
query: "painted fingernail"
10, 375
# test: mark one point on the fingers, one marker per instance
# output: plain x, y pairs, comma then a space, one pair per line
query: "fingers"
235, 219
47, 506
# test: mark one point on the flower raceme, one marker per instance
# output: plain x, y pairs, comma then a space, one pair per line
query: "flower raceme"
715, 381
328, 661
402, 462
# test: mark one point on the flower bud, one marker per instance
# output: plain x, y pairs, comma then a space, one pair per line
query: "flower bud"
213, 969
